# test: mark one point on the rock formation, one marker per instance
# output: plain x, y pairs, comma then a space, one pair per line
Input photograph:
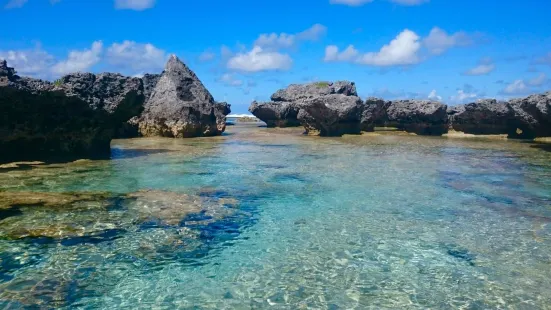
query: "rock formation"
532, 116
276, 114
319, 100
39, 122
331, 115
421, 117
485, 117
181, 107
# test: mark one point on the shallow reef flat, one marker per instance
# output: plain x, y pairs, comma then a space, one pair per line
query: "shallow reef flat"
268, 217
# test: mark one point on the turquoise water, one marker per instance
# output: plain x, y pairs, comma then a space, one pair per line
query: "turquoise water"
267, 218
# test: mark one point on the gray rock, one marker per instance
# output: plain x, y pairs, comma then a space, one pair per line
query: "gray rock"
331, 115
484, 117
532, 116
39, 123
149, 83
276, 114
180, 106
374, 111
417, 116
297, 92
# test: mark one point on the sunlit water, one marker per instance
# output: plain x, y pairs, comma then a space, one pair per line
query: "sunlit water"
268, 218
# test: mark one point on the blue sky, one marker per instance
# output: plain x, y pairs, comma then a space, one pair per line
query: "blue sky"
453, 51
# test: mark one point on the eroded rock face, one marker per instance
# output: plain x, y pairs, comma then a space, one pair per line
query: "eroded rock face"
421, 117
532, 116
484, 117
181, 107
276, 114
331, 115
284, 108
298, 92
374, 111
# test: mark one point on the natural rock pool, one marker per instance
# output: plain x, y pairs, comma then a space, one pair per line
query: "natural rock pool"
268, 218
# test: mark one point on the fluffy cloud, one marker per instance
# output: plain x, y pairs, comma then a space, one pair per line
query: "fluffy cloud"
136, 57
403, 50
33, 62
485, 66
284, 40
259, 60
434, 96
137, 5
463, 96
516, 88
79, 60
438, 41
127, 57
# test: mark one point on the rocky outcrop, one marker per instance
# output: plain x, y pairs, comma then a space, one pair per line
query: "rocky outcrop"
276, 114
41, 120
149, 83
331, 115
421, 117
484, 117
532, 116
299, 92
283, 110
181, 107
374, 113
120, 96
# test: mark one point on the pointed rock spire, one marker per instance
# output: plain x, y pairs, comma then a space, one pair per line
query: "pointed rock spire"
180, 106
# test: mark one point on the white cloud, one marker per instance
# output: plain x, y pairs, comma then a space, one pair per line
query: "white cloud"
350, 2
434, 96
230, 80
439, 41
32, 62
137, 5
79, 60
207, 55
481, 69
403, 50
137, 57
284, 40
332, 53
463, 96
515, 88
538, 80
259, 60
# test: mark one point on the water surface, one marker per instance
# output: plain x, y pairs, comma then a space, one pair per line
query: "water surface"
268, 218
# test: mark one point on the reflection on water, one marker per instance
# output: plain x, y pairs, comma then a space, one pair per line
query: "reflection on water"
270, 218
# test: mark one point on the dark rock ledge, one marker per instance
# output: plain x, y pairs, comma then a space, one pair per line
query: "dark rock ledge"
78, 115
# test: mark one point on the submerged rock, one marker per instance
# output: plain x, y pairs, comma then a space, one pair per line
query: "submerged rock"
421, 117
484, 117
331, 115
276, 114
181, 107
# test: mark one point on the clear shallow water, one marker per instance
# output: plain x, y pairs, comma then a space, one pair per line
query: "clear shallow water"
267, 218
